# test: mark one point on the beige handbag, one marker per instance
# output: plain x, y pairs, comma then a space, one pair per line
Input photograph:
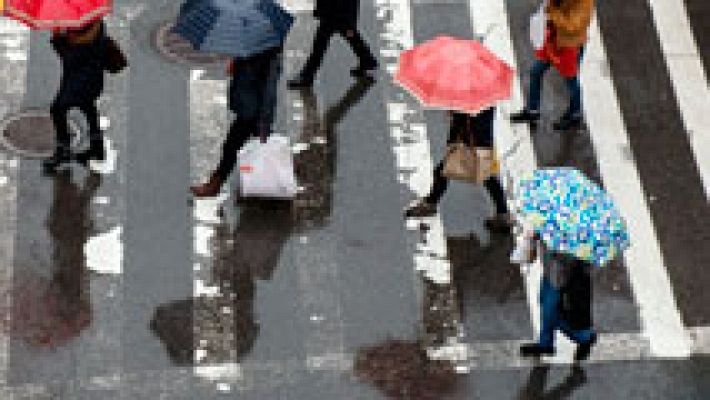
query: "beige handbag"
469, 164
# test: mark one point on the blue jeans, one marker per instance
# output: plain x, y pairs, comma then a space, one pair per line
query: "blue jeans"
573, 86
551, 320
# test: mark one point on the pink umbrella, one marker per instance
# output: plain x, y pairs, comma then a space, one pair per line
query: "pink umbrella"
56, 14
454, 74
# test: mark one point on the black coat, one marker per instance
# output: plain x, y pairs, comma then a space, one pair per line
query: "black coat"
83, 68
340, 13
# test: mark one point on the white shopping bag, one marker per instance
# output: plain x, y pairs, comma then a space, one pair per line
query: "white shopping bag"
538, 22
266, 169
524, 252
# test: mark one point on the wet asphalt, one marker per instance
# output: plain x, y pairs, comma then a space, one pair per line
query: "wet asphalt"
311, 285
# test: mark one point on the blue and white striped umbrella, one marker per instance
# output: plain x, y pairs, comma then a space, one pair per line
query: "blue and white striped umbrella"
238, 28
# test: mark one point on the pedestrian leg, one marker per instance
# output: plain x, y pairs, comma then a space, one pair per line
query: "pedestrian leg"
96, 149
361, 50
320, 45
239, 132
426, 207
531, 112
62, 152
495, 190
537, 72
572, 118
549, 316
549, 313
59, 113
439, 185
584, 338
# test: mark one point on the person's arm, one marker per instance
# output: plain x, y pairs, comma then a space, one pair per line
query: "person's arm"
576, 18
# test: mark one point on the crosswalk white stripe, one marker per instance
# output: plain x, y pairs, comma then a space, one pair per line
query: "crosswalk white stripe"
492, 16
687, 77
412, 155
14, 49
660, 317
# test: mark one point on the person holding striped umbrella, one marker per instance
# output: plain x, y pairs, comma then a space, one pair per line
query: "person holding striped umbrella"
252, 34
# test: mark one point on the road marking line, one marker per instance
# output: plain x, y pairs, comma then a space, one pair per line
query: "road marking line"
492, 17
413, 160
687, 77
14, 51
660, 317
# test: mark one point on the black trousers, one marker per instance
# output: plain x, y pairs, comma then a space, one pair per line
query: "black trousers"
60, 112
239, 132
320, 44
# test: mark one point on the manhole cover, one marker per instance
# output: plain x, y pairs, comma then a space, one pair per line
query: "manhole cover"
31, 133
176, 49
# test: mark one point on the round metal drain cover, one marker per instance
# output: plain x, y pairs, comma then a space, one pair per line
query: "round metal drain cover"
176, 49
31, 133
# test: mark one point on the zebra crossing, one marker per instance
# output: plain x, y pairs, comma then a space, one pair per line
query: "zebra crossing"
319, 279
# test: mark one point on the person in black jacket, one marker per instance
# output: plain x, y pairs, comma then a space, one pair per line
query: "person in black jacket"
336, 16
479, 130
83, 54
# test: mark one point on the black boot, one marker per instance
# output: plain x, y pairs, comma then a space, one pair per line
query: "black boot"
96, 152
584, 349
61, 157
535, 350
525, 115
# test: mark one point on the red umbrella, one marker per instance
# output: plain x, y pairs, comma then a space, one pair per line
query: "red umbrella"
57, 14
454, 74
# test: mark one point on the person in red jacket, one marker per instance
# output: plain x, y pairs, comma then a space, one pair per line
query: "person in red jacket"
566, 34
335, 16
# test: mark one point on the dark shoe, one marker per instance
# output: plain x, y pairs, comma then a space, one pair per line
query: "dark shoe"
500, 223
584, 349
209, 189
535, 350
421, 209
96, 152
568, 123
362, 69
60, 158
300, 82
525, 115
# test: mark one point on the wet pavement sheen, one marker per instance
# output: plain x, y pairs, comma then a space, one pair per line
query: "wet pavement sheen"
316, 298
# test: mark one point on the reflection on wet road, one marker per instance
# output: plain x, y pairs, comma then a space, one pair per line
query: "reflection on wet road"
119, 286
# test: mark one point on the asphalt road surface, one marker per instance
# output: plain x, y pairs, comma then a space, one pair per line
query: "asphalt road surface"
117, 285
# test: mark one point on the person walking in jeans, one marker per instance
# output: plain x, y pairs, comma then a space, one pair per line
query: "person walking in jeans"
565, 303
566, 34
336, 16
478, 130
252, 96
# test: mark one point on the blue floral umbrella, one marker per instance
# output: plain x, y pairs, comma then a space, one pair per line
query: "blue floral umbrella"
238, 28
572, 214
